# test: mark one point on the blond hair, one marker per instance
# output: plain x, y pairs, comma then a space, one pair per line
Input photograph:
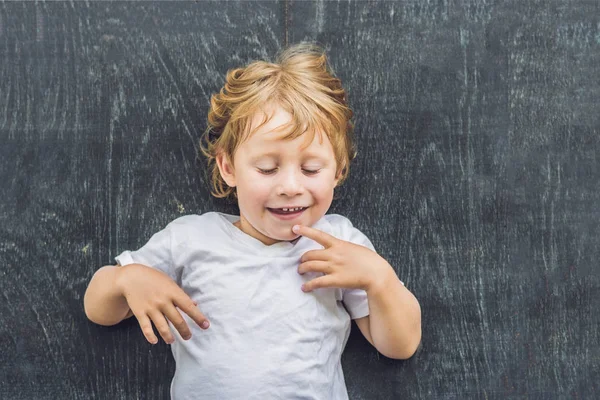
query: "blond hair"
303, 84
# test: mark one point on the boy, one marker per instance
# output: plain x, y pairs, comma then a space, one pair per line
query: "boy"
282, 280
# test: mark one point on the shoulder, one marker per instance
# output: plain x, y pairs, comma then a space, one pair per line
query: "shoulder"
195, 225
341, 227
338, 225
193, 220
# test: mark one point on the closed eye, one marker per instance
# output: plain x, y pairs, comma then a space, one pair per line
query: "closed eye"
267, 171
273, 170
311, 171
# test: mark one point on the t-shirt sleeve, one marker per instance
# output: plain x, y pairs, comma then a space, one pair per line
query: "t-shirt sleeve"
156, 253
355, 300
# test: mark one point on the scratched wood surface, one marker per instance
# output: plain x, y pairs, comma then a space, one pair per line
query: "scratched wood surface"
477, 177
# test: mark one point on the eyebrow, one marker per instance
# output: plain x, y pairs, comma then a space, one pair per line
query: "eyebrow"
307, 156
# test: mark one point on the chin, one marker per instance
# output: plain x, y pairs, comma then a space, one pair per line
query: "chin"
287, 238
292, 238
283, 237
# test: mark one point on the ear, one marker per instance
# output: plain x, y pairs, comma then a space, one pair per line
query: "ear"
338, 175
226, 169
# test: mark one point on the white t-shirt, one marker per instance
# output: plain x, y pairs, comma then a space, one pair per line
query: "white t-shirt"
267, 339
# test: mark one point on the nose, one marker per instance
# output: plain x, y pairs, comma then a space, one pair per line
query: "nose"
290, 183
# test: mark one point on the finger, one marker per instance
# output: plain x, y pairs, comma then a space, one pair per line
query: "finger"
160, 322
190, 307
146, 327
178, 322
314, 255
318, 236
317, 283
315, 266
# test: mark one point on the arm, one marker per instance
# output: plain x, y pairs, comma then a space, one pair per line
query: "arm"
394, 322
104, 302
116, 293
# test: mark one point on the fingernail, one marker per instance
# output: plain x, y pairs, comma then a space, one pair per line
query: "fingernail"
296, 228
303, 288
205, 325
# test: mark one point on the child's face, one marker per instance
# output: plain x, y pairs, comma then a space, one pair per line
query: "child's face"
271, 173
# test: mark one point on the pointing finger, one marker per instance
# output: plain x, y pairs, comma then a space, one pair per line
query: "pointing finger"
318, 236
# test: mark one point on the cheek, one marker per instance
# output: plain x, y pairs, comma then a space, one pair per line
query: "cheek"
321, 189
256, 191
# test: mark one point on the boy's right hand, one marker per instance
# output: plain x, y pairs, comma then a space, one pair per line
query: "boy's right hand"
154, 296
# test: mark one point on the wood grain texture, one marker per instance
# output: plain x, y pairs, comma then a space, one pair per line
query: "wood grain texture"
477, 177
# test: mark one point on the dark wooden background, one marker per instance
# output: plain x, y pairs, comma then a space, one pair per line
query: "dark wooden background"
477, 177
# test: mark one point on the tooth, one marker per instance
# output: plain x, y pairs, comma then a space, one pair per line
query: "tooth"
284, 209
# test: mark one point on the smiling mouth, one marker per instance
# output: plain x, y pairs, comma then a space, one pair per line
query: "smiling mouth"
286, 211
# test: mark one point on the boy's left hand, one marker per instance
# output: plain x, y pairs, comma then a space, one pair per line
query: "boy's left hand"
345, 264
